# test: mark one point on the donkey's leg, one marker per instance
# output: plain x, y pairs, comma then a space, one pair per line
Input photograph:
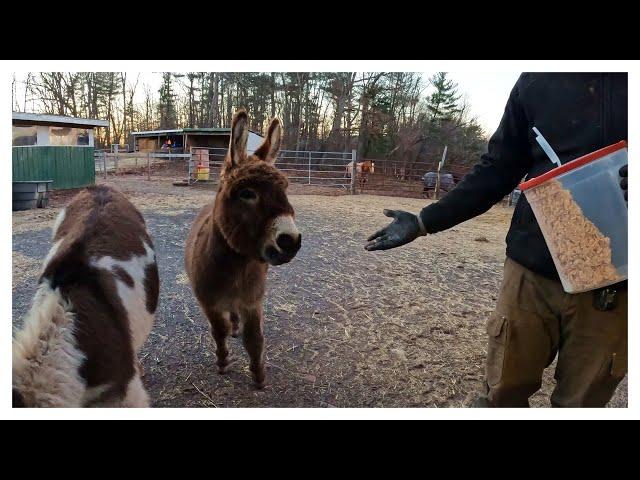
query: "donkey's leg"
220, 330
136, 395
139, 367
235, 324
253, 338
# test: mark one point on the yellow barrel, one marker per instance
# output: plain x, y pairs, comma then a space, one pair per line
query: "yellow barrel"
202, 157
203, 173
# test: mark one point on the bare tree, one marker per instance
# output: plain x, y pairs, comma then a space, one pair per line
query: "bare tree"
382, 114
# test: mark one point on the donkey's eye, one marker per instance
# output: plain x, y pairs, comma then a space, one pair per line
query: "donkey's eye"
248, 194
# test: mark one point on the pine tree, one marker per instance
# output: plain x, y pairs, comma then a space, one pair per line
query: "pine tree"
166, 103
192, 101
443, 103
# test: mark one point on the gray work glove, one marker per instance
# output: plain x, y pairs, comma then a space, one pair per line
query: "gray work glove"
623, 183
405, 228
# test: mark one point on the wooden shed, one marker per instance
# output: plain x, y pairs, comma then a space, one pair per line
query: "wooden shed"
185, 138
54, 147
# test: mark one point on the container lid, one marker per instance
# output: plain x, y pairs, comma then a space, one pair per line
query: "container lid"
573, 164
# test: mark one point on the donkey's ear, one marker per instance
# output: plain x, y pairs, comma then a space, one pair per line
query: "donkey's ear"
269, 149
239, 136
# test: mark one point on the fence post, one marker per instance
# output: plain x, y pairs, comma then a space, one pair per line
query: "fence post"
309, 168
353, 172
104, 162
444, 155
149, 166
190, 161
116, 163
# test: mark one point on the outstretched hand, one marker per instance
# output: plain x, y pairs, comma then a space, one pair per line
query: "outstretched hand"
405, 228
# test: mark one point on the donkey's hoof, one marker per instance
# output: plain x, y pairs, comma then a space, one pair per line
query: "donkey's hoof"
259, 380
223, 367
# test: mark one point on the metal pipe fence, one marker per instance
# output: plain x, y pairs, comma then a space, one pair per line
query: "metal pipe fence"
321, 168
118, 163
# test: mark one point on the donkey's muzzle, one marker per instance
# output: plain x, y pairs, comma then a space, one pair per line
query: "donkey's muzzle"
289, 244
287, 247
283, 241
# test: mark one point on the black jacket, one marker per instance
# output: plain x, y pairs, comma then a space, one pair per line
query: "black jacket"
577, 113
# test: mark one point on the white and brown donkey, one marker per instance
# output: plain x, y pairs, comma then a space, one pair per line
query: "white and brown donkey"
93, 310
247, 227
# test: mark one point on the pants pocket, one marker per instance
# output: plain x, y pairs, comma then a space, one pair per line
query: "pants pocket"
497, 330
602, 386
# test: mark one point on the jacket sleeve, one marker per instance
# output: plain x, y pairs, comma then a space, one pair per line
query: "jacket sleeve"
499, 171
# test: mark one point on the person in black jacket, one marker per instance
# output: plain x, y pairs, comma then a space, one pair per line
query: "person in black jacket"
535, 320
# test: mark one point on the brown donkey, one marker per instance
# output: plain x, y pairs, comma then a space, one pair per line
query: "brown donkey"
248, 226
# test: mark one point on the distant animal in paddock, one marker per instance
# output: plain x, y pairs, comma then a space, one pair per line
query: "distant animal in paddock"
93, 310
363, 169
249, 226
430, 180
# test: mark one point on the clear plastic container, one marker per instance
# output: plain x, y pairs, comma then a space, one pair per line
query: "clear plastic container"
582, 213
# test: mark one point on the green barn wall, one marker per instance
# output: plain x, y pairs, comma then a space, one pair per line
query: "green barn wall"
68, 167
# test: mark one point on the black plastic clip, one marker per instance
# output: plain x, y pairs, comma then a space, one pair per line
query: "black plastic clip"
605, 299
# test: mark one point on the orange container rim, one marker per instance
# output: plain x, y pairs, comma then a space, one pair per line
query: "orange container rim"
572, 165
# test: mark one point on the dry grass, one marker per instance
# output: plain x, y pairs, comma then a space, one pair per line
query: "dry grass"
30, 220
24, 268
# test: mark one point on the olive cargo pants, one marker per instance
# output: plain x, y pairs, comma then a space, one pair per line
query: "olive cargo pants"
534, 320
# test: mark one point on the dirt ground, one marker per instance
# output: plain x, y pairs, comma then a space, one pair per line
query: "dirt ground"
344, 327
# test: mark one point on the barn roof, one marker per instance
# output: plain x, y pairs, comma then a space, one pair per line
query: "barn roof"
191, 131
21, 118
